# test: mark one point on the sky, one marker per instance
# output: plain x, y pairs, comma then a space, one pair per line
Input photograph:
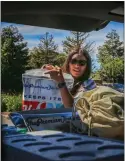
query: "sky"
32, 34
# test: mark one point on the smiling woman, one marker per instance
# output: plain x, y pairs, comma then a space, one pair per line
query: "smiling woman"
78, 64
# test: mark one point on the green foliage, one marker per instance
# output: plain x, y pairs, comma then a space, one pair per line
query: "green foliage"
14, 55
111, 58
96, 75
35, 59
76, 40
60, 59
45, 53
11, 103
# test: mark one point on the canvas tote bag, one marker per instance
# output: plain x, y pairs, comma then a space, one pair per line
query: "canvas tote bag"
102, 110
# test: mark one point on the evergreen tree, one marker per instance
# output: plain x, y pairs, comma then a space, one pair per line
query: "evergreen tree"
76, 40
14, 56
45, 53
111, 58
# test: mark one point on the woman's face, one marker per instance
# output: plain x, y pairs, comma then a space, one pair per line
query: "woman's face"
77, 65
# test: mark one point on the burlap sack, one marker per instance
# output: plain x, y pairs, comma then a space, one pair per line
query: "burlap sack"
102, 109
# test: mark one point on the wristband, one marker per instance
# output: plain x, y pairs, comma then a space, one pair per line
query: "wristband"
62, 85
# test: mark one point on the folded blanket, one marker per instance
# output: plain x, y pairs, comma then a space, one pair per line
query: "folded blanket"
102, 110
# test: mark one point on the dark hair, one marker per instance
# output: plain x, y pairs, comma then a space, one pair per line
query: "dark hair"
87, 73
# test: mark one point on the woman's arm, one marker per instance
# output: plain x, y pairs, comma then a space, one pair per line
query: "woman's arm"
67, 98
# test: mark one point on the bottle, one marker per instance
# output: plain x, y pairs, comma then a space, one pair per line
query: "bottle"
22, 130
12, 130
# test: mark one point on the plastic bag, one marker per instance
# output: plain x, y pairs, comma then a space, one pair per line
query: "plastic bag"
40, 91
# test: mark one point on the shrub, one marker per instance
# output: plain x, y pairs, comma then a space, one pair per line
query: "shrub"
11, 103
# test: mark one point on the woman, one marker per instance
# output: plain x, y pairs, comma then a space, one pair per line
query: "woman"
101, 118
78, 64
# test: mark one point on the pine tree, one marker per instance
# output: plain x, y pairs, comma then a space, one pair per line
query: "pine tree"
45, 53
48, 48
76, 40
111, 58
14, 56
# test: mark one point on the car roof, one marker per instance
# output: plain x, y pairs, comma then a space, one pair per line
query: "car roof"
81, 16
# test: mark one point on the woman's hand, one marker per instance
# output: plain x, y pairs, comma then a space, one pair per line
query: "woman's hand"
48, 67
56, 74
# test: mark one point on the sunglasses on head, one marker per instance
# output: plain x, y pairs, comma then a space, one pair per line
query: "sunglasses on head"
80, 62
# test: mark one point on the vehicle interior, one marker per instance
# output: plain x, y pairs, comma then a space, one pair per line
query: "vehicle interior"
82, 16
75, 16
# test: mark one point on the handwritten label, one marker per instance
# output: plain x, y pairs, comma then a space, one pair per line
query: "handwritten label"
40, 93
39, 121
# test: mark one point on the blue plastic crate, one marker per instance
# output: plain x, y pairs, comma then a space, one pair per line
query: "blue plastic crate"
48, 146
